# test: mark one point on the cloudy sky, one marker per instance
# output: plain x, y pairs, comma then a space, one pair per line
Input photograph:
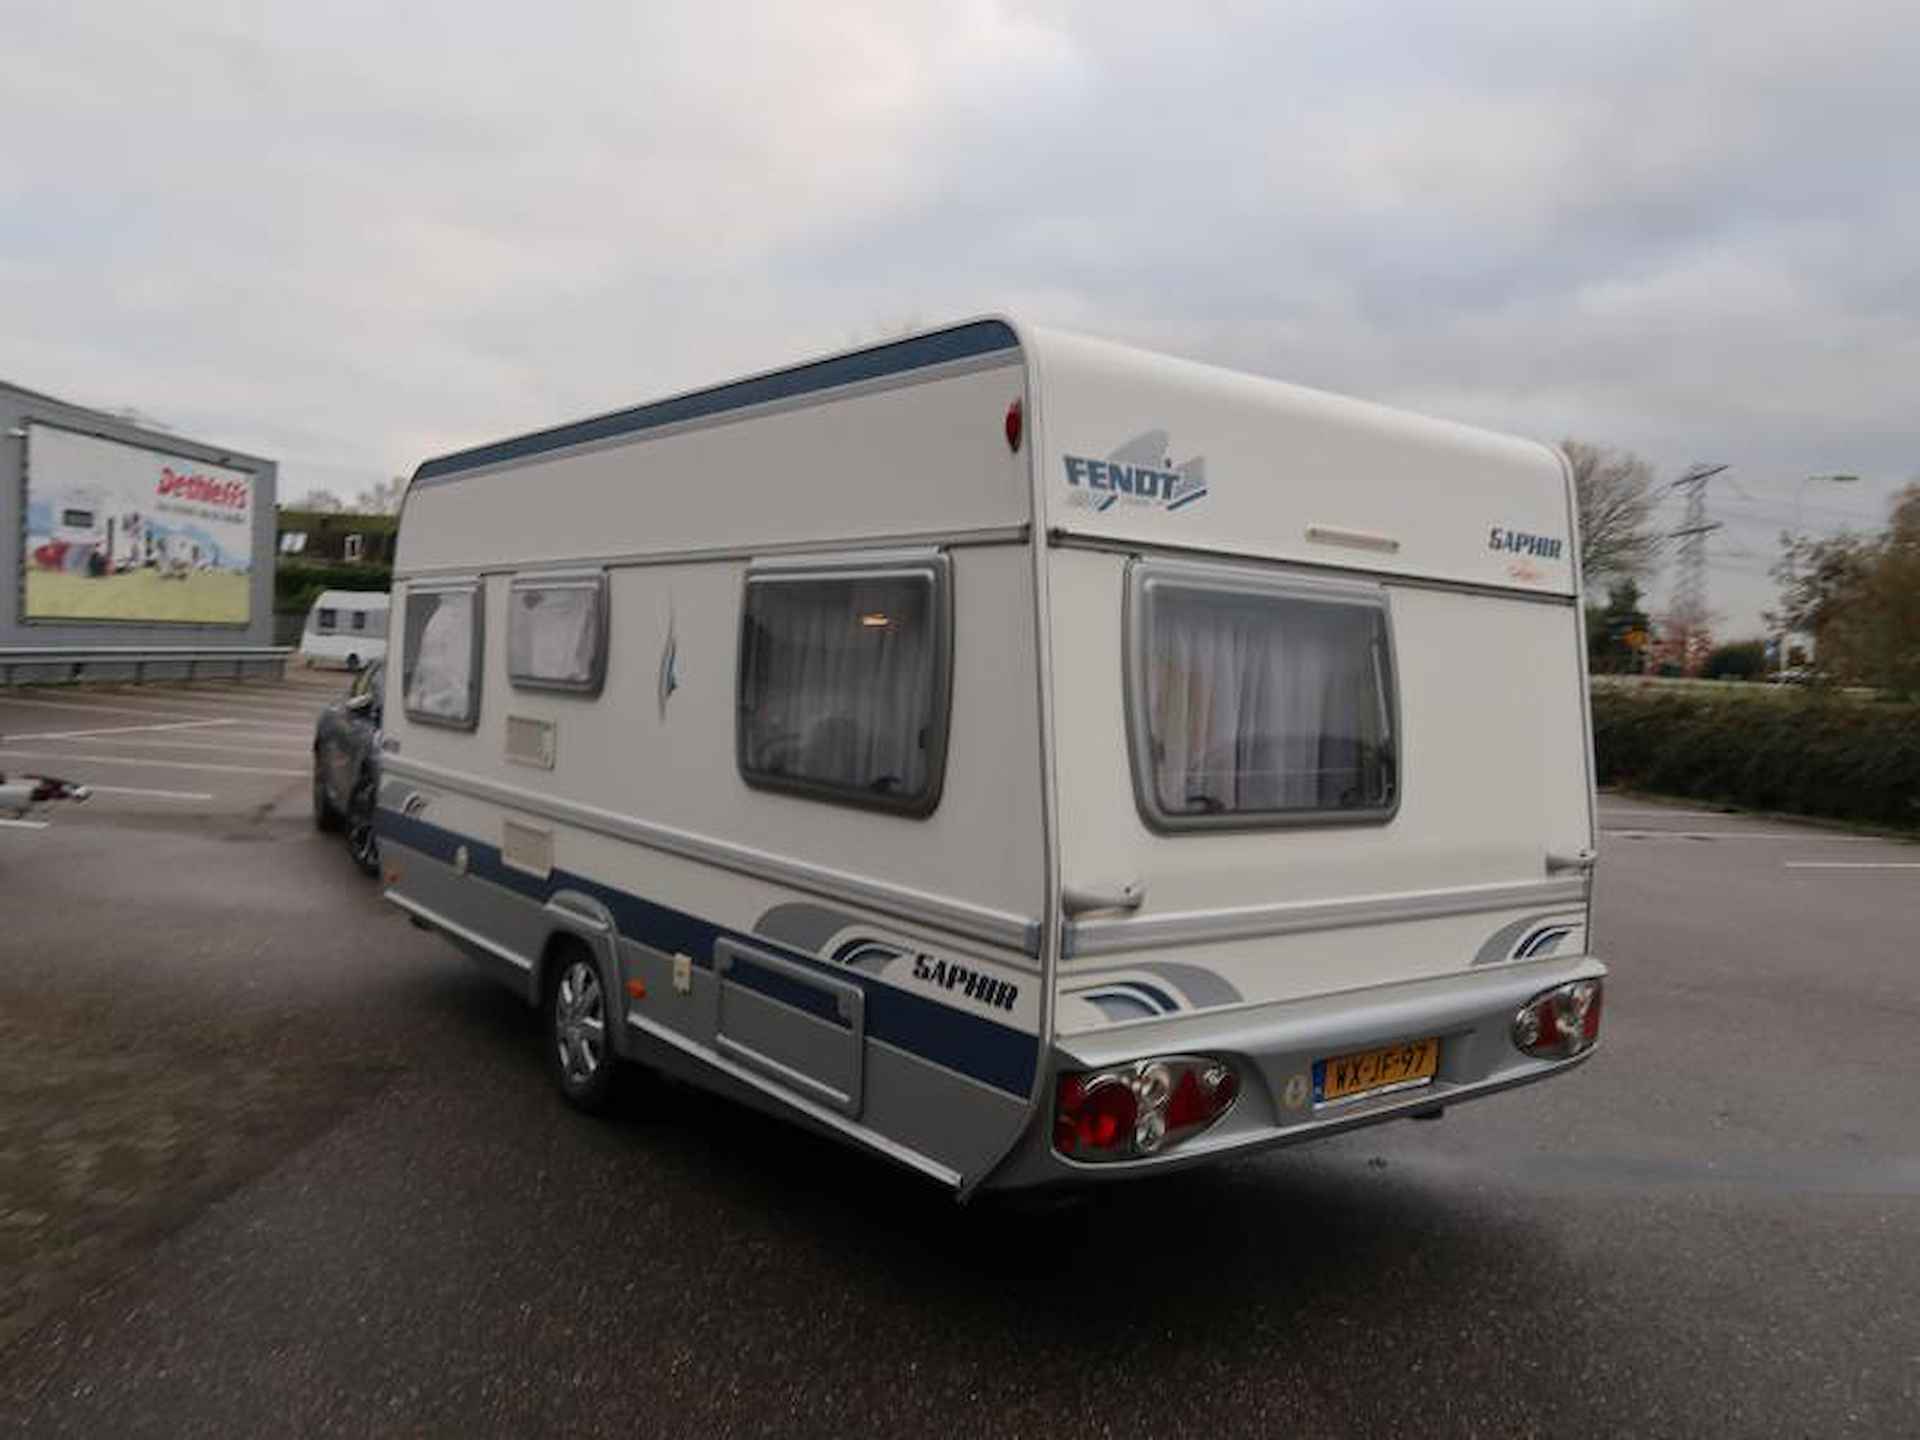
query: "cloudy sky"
352, 236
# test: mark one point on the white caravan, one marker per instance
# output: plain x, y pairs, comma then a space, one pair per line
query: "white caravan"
1024, 757
346, 628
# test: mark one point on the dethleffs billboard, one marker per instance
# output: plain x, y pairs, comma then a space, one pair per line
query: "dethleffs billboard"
122, 532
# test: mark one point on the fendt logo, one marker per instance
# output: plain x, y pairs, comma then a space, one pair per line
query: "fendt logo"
1140, 472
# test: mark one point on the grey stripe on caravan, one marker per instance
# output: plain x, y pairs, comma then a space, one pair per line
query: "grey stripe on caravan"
472, 937
1061, 539
922, 540
815, 1111
996, 927
1252, 922
1006, 359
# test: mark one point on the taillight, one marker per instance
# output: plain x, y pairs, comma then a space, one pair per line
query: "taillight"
1560, 1024
1139, 1109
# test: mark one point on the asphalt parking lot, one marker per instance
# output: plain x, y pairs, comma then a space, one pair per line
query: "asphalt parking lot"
271, 1161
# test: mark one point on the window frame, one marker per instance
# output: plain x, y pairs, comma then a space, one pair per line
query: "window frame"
1143, 576
935, 568
477, 589
595, 580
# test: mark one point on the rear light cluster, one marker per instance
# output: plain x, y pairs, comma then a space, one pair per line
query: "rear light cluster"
1560, 1024
1144, 1108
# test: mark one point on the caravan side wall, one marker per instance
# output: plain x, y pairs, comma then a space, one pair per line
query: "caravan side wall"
876, 973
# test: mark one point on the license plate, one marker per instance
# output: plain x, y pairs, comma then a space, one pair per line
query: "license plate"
1391, 1067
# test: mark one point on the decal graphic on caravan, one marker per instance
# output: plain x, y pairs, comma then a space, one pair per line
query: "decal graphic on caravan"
958, 805
1140, 472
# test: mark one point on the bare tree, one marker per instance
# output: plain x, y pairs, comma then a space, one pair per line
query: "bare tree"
381, 499
322, 502
1858, 596
1615, 491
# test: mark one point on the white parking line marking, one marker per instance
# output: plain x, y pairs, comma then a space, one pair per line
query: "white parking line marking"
1852, 864
202, 705
66, 758
235, 747
293, 717
114, 730
1797, 836
23, 824
151, 794
1650, 812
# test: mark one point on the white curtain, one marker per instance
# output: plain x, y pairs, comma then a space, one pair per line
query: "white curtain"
840, 682
554, 632
1263, 703
440, 657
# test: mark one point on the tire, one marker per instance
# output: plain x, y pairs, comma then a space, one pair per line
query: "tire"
578, 1015
325, 817
363, 844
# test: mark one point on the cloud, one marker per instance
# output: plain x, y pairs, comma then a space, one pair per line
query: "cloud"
351, 236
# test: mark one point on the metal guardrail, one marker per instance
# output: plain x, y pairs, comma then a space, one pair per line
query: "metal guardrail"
68, 664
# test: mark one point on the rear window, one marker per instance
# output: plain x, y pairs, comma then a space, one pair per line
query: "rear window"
843, 683
440, 678
1257, 701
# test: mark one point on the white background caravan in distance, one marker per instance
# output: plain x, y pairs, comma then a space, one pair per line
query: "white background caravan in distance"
345, 629
1029, 758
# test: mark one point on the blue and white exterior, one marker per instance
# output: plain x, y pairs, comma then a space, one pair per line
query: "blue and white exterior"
912, 982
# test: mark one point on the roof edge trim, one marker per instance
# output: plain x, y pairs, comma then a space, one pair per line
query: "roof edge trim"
939, 347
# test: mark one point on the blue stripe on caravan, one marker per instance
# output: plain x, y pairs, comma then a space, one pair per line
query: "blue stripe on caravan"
970, 1044
963, 342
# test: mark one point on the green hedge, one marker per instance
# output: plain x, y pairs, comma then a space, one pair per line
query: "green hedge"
1799, 751
297, 585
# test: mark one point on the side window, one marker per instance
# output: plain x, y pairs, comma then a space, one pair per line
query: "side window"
327, 619
844, 677
1258, 701
359, 619
444, 629
557, 632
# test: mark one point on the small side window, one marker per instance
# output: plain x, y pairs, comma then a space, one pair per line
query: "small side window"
844, 679
557, 633
359, 619
327, 619
1256, 700
440, 679
354, 546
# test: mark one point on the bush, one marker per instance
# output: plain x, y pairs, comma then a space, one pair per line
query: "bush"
1743, 660
1796, 751
296, 584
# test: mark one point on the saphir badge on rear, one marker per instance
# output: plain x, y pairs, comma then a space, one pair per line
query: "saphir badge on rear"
1519, 542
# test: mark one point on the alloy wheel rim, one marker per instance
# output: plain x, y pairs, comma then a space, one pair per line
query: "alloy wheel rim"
362, 843
579, 1019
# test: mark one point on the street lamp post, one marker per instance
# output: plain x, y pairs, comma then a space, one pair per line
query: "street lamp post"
1799, 529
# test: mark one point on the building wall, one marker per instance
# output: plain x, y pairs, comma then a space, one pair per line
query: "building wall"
17, 408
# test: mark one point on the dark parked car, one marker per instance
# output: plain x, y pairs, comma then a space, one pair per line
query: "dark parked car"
346, 765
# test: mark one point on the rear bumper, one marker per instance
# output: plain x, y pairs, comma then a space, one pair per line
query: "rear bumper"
1274, 1048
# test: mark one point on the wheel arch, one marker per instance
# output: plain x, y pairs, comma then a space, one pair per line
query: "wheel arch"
580, 922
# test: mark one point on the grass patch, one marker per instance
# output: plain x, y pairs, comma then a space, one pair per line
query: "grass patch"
205, 597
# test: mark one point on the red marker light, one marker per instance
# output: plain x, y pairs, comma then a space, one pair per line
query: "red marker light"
1013, 426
